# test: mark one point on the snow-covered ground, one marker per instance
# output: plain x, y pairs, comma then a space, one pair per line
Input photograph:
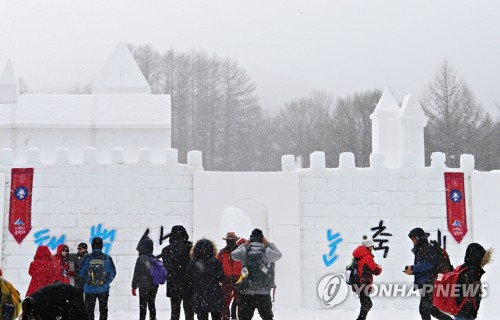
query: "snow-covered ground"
332, 314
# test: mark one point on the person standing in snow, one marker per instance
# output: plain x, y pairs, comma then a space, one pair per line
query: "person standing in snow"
204, 276
62, 258
98, 270
43, 270
476, 257
232, 271
365, 271
77, 260
424, 270
143, 280
257, 254
175, 258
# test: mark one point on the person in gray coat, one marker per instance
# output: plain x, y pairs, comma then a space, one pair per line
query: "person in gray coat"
257, 256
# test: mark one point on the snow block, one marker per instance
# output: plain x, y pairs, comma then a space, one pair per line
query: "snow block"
33, 156
172, 156
288, 163
195, 160
317, 160
90, 155
438, 160
62, 156
117, 156
144, 155
346, 160
377, 160
467, 163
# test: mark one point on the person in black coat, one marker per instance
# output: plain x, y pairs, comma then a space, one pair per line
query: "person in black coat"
143, 280
424, 269
476, 257
77, 260
175, 258
55, 301
205, 277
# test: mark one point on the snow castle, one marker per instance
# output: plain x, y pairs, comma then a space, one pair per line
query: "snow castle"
103, 166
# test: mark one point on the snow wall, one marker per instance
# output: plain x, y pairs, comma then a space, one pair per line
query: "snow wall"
297, 209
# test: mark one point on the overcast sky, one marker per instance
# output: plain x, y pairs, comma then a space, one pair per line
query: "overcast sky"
288, 47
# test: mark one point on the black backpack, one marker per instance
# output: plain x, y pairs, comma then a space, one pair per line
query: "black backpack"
96, 275
443, 259
351, 272
260, 274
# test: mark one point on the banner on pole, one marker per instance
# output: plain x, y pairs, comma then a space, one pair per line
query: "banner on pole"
455, 204
20, 203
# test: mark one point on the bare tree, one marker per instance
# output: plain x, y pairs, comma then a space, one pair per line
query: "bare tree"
352, 126
305, 124
454, 116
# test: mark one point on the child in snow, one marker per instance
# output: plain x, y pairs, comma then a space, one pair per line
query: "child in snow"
43, 270
366, 269
142, 279
204, 274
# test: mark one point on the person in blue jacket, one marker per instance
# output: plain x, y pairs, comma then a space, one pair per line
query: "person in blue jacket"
98, 270
424, 269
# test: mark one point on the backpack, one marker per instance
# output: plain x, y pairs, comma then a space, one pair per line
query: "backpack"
10, 305
351, 272
260, 274
444, 297
96, 275
157, 271
443, 259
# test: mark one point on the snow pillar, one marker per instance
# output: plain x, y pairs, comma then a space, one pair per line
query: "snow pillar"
288, 163
9, 88
386, 129
413, 122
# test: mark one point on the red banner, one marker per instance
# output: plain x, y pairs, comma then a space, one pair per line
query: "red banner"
20, 203
455, 204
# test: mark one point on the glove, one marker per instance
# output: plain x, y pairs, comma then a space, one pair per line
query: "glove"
134, 293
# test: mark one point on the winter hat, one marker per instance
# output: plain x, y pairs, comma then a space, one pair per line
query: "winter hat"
418, 233
367, 242
145, 245
474, 254
97, 243
178, 233
82, 245
257, 235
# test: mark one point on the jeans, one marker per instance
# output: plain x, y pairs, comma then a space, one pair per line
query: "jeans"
175, 305
261, 302
90, 300
147, 301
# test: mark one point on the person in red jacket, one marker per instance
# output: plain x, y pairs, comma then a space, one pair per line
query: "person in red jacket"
232, 271
43, 270
61, 257
366, 269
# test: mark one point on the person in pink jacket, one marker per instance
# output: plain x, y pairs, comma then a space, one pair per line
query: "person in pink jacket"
366, 269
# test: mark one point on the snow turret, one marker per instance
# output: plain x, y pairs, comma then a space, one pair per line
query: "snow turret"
386, 129
413, 122
9, 88
121, 75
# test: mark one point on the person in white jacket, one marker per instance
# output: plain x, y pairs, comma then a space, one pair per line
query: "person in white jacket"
257, 256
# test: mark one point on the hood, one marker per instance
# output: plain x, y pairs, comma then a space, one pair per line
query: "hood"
474, 254
203, 250
60, 248
145, 245
178, 234
43, 253
360, 252
420, 235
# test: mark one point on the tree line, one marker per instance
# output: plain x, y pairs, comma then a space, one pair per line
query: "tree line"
215, 109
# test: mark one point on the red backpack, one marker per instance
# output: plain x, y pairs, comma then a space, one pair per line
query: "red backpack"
444, 296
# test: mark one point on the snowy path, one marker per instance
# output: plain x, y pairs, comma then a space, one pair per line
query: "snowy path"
333, 314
